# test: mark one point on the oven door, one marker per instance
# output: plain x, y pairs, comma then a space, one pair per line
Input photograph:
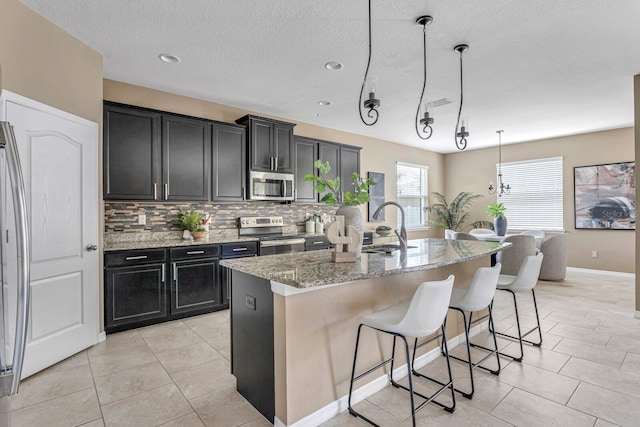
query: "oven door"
284, 246
270, 186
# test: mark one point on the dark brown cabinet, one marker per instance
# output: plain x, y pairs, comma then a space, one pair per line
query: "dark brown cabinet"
271, 146
186, 160
195, 284
344, 161
135, 289
306, 153
150, 155
229, 160
132, 153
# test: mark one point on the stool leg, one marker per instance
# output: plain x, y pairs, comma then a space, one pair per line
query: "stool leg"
409, 374
495, 340
353, 372
535, 305
453, 393
393, 358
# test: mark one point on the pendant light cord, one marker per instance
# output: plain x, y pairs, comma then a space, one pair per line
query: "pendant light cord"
371, 112
428, 130
462, 144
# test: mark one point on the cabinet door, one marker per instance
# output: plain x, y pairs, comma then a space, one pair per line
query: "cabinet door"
194, 285
349, 163
134, 296
261, 145
229, 163
186, 162
132, 157
306, 152
331, 153
283, 148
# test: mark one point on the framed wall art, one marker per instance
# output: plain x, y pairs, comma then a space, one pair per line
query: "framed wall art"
605, 196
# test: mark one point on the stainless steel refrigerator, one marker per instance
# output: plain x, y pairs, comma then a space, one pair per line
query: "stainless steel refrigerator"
14, 269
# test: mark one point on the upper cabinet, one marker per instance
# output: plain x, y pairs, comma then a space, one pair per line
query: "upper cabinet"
229, 160
186, 159
344, 161
306, 153
132, 153
271, 145
154, 156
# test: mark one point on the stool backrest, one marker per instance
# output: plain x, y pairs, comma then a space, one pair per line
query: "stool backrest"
428, 308
511, 258
481, 289
528, 274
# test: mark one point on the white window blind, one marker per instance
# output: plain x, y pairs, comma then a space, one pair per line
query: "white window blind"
535, 200
411, 185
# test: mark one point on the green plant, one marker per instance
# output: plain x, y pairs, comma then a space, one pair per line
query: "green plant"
333, 195
451, 215
496, 210
189, 220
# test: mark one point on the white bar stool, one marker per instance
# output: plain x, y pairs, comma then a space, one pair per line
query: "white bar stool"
478, 296
525, 281
423, 316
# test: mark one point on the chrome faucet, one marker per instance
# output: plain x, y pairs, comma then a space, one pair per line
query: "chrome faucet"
402, 235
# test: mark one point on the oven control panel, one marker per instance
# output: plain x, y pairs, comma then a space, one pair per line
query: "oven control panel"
260, 221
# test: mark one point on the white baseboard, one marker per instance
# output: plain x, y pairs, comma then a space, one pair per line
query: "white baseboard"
602, 272
336, 407
637, 315
102, 336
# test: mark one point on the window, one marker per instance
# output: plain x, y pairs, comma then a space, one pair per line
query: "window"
535, 201
411, 185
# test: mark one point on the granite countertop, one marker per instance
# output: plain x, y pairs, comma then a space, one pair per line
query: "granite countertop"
173, 240
305, 270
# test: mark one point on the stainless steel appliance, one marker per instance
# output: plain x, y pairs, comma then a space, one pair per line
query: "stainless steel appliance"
269, 231
271, 186
14, 248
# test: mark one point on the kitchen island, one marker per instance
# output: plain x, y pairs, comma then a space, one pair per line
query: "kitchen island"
293, 320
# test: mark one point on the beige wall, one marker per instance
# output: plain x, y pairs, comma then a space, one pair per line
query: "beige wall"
472, 171
376, 155
42, 62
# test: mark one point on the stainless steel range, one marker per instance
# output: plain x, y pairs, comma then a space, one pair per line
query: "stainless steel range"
270, 232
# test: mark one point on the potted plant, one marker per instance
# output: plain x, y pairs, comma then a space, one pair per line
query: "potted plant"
497, 210
452, 216
192, 222
348, 201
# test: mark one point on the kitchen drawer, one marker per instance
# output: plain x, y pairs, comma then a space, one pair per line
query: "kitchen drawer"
233, 250
135, 257
315, 243
189, 252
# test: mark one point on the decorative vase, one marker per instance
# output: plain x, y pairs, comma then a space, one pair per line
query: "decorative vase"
186, 235
353, 216
200, 235
500, 226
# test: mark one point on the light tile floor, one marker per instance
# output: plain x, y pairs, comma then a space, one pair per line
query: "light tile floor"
587, 373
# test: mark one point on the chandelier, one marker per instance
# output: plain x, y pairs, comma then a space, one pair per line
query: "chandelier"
372, 103
504, 188
461, 132
425, 121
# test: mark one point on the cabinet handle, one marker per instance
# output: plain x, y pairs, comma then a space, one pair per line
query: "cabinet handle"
175, 271
319, 242
270, 163
163, 273
194, 252
155, 191
228, 284
244, 193
131, 258
240, 249
275, 164
166, 191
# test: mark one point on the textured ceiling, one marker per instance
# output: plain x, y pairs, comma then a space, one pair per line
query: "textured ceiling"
535, 68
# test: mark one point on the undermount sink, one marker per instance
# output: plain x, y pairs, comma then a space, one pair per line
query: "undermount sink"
383, 249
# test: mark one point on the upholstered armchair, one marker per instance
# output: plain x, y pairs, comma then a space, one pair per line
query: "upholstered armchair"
522, 246
554, 264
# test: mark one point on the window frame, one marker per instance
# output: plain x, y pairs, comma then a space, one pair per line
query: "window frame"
424, 195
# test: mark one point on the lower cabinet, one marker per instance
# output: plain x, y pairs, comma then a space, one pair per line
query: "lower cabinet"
143, 287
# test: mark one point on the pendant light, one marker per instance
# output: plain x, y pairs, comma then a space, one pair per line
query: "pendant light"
372, 103
504, 188
461, 132
425, 121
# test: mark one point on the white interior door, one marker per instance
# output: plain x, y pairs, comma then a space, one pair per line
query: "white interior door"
58, 153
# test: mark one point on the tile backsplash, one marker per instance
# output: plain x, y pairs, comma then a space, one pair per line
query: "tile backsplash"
122, 217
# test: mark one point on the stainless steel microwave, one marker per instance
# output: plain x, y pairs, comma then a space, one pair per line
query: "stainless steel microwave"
271, 186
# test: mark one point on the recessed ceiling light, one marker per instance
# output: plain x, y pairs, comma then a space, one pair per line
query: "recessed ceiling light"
169, 58
333, 65
324, 103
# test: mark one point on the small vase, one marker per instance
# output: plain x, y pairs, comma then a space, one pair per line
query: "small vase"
500, 226
353, 216
200, 235
186, 235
